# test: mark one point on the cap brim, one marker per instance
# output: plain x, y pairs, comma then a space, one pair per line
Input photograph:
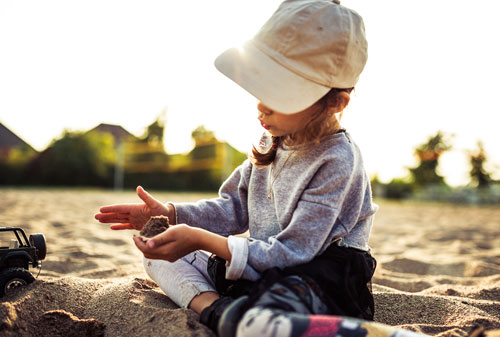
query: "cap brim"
273, 84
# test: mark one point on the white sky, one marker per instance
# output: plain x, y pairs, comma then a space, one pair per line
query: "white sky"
73, 64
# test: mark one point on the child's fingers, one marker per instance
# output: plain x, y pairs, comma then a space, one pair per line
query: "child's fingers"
157, 252
121, 208
122, 226
112, 217
160, 239
146, 197
151, 253
112, 220
141, 244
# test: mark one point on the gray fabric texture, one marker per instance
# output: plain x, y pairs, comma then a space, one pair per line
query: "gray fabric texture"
322, 195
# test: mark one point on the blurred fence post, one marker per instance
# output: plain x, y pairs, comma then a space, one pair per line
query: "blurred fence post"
119, 167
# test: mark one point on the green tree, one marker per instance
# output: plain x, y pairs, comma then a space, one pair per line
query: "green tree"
398, 188
76, 159
13, 164
428, 154
479, 176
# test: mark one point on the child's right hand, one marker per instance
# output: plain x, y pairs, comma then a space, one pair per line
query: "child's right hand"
135, 216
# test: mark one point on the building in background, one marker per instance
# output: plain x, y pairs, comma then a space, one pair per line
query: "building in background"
204, 168
10, 141
110, 156
119, 133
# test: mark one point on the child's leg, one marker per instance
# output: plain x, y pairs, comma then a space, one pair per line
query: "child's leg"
265, 322
290, 308
182, 280
282, 310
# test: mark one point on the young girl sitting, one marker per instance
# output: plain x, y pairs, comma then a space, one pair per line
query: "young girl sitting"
303, 194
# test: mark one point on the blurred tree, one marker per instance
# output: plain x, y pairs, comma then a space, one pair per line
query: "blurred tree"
398, 188
14, 163
76, 159
428, 154
378, 187
479, 176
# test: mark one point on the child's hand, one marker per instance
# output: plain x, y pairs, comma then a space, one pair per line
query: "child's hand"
134, 216
171, 245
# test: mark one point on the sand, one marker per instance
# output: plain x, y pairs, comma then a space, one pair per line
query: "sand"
438, 270
155, 226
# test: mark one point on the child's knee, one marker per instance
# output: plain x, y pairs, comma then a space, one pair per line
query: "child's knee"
156, 269
148, 266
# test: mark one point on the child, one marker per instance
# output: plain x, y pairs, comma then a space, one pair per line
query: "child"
303, 193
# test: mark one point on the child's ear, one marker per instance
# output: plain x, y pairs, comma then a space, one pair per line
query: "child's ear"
338, 102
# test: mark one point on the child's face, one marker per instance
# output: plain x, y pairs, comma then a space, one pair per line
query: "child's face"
279, 124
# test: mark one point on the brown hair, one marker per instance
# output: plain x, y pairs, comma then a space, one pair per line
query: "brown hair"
320, 125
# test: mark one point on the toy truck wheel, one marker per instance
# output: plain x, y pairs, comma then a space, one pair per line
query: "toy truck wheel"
13, 278
38, 240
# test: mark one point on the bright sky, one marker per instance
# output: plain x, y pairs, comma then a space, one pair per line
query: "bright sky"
68, 64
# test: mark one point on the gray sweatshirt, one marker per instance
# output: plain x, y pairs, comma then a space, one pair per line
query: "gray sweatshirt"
320, 194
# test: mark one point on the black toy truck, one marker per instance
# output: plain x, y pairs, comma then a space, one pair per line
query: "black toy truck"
17, 254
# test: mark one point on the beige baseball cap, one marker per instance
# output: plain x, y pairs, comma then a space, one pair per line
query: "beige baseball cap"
306, 48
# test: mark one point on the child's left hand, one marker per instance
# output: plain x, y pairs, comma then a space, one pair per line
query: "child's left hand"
176, 242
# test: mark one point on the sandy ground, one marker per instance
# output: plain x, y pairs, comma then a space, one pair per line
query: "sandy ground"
438, 270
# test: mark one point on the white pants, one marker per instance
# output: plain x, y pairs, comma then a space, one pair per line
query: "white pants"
183, 279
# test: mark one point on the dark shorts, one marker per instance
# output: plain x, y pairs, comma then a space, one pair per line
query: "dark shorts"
341, 277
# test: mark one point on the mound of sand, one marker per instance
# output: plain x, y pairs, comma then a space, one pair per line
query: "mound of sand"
73, 306
438, 270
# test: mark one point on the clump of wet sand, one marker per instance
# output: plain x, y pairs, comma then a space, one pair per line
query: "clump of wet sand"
155, 225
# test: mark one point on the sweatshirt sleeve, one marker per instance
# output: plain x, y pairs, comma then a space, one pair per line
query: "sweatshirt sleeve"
224, 215
315, 223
